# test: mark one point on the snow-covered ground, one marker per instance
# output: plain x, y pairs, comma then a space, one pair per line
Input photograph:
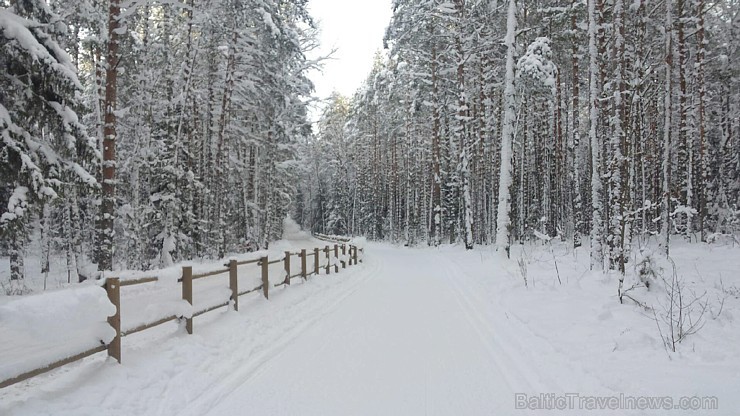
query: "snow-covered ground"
581, 340
425, 331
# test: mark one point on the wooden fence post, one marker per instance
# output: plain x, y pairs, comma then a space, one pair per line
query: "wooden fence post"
113, 287
344, 253
303, 264
354, 255
316, 261
328, 260
265, 277
287, 268
336, 258
234, 284
187, 294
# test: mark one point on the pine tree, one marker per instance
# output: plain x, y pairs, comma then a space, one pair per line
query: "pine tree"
503, 228
44, 144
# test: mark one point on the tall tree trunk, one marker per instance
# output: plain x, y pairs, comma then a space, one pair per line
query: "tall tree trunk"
597, 226
462, 119
436, 149
576, 141
685, 140
107, 211
667, 108
503, 219
702, 163
620, 173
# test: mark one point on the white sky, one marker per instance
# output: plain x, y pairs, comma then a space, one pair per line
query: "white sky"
355, 28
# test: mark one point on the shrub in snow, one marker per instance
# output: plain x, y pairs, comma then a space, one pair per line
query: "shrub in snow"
682, 310
523, 269
647, 271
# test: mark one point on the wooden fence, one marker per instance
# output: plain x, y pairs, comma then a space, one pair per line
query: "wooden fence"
113, 285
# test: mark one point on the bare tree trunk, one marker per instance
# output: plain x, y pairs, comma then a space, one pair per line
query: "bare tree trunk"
462, 117
576, 141
620, 174
685, 140
107, 211
702, 186
597, 250
667, 108
503, 219
436, 145
223, 148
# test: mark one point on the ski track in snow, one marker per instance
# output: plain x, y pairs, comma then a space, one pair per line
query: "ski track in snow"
512, 340
226, 386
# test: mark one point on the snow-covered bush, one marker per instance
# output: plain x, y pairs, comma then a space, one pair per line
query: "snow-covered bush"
647, 271
536, 66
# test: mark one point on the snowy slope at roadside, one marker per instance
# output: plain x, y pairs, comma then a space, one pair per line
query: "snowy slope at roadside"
62, 318
577, 333
294, 239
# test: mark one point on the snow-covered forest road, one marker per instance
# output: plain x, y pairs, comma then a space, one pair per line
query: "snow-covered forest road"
410, 341
408, 332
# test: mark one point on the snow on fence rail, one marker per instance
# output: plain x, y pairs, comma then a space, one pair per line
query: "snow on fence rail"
332, 238
336, 256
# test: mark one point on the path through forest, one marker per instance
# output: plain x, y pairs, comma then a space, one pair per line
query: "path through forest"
410, 341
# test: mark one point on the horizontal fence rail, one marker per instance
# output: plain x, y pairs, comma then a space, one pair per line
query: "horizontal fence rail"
324, 258
332, 238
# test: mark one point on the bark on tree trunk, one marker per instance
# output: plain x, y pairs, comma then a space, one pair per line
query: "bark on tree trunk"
667, 108
107, 211
597, 253
503, 227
